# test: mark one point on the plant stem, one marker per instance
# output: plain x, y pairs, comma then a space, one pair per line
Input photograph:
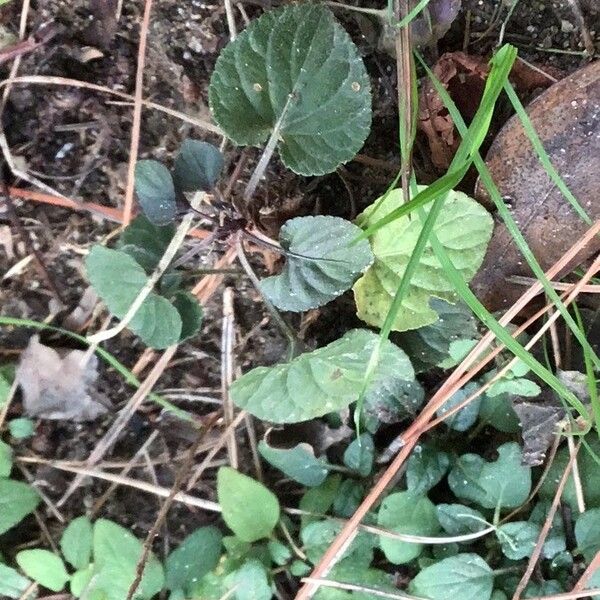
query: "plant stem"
261, 167
285, 328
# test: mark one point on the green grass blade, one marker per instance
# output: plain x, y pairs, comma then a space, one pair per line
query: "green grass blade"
107, 357
589, 373
499, 73
471, 142
536, 142
500, 332
509, 221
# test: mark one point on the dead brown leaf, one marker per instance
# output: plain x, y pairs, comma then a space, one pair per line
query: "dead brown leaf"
539, 422
463, 76
567, 120
58, 387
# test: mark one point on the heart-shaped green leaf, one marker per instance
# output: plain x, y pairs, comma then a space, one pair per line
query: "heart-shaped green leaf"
429, 346
155, 191
457, 519
464, 229
321, 262
465, 576
504, 482
118, 279
116, 556
76, 542
425, 468
294, 68
198, 554
412, 514
12, 583
518, 538
44, 567
197, 166
360, 454
319, 382
190, 313
17, 500
299, 462
250, 510
145, 242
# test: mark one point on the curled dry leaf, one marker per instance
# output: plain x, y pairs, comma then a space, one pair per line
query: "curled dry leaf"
463, 76
539, 422
58, 387
567, 120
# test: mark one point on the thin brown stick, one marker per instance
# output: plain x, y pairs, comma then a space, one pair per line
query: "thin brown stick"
23, 234
535, 555
569, 595
7, 402
66, 81
351, 587
162, 513
227, 367
143, 486
130, 465
137, 114
110, 437
214, 450
587, 574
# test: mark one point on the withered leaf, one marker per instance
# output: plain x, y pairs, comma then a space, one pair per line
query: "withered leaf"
58, 387
538, 423
567, 120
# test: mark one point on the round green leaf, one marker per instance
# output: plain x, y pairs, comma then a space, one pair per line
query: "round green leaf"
17, 500
197, 166
465, 417
190, 313
250, 582
12, 583
360, 454
518, 539
118, 279
463, 227
425, 468
319, 382
504, 482
321, 262
466, 576
250, 510
44, 567
299, 462
76, 542
116, 555
155, 191
587, 533
405, 512
5, 459
21, 428
198, 554
294, 66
